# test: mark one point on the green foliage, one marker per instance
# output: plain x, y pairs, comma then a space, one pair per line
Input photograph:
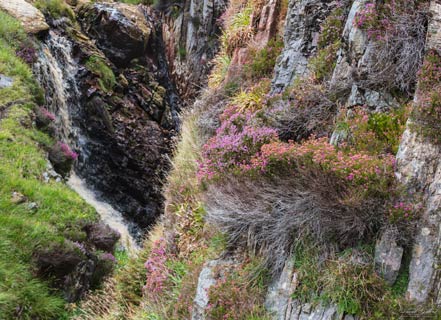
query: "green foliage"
55, 8
262, 61
182, 52
323, 63
11, 31
106, 76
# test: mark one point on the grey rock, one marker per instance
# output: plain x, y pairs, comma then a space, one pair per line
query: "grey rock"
31, 18
388, 256
205, 281
5, 82
377, 101
302, 27
32, 206
282, 306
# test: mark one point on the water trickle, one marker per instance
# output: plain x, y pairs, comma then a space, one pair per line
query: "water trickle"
108, 214
56, 71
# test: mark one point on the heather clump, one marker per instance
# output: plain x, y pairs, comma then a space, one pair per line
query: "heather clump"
234, 144
157, 270
62, 158
45, 120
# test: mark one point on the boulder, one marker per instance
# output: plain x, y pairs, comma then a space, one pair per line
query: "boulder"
388, 256
31, 18
120, 30
102, 236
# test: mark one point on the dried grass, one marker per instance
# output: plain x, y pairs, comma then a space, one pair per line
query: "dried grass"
269, 215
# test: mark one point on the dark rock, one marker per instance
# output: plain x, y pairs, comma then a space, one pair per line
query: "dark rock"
61, 161
121, 31
58, 261
102, 236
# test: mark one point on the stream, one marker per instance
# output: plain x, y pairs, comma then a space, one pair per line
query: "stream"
56, 71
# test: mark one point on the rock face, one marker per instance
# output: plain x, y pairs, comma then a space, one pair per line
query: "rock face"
388, 257
74, 267
419, 168
353, 58
302, 28
205, 281
122, 134
121, 31
282, 306
31, 18
191, 41
127, 135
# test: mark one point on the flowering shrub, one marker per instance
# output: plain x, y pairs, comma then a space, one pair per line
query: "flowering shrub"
157, 270
359, 168
67, 151
62, 158
27, 53
236, 141
375, 133
49, 115
402, 211
108, 257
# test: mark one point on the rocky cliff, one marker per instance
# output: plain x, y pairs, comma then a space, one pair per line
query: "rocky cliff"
304, 176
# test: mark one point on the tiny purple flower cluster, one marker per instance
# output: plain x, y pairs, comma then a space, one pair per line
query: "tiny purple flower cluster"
49, 115
67, 151
157, 271
108, 257
236, 141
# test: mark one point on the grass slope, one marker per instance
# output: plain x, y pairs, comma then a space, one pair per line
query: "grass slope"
59, 213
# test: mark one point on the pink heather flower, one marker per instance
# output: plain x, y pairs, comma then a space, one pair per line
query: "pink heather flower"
350, 177
67, 151
108, 257
47, 114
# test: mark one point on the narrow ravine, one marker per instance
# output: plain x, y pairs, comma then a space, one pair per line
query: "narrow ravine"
56, 70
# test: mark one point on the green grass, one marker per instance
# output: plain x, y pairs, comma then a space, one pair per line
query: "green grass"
55, 8
60, 212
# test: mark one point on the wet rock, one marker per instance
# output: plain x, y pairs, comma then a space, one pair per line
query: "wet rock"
32, 19
388, 256
102, 236
302, 26
61, 158
5, 82
121, 31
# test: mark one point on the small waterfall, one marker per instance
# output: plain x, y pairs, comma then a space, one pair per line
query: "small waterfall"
108, 214
56, 71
